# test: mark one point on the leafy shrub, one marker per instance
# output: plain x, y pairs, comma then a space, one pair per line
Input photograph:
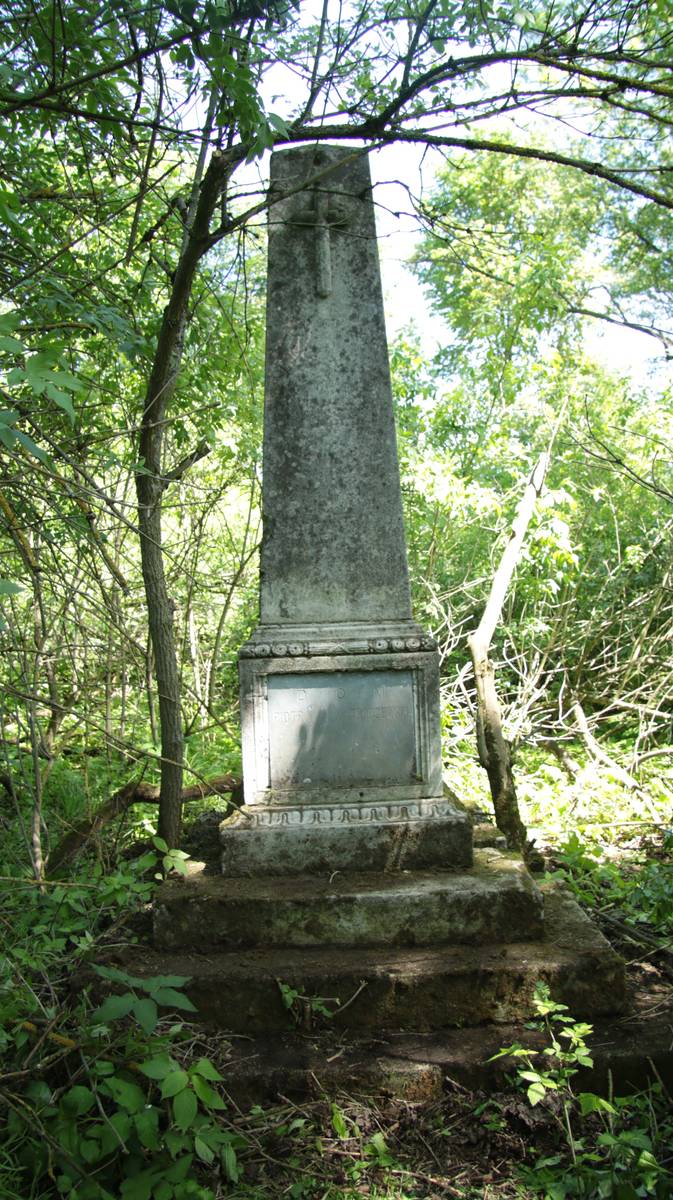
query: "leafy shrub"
613, 1147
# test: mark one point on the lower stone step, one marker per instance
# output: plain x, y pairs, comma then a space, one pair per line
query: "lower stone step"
627, 1054
393, 989
495, 900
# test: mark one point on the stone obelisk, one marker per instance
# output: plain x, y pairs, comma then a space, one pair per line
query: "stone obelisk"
346, 857
339, 686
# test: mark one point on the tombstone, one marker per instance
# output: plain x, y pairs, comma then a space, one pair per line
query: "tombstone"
348, 872
339, 685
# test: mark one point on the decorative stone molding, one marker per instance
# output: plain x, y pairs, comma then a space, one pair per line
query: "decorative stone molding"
344, 814
348, 646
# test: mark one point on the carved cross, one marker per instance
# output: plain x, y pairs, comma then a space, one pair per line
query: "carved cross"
325, 215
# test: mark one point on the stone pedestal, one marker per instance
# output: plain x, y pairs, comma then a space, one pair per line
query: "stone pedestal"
480, 962
339, 686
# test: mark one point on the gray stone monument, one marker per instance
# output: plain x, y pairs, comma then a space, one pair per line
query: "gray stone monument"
339, 685
347, 873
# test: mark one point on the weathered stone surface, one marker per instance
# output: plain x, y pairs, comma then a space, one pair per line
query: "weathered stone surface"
333, 547
485, 835
495, 899
339, 686
419, 1068
418, 989
341, 727
317, 840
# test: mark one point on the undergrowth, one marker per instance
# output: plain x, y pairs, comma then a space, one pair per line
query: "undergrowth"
108, 1090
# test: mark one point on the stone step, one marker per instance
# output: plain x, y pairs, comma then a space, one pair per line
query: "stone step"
627, 1055
419, 989
319, 839
495, 900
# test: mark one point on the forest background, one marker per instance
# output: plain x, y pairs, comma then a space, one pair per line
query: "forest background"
135, 138
132, 368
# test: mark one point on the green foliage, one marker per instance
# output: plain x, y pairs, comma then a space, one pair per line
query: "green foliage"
305, 1009
110, 1107
513, 255
620, 1150
563, 1059
171, 860
47, 932
636, 893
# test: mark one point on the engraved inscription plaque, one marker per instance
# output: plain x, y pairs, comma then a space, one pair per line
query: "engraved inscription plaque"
342, 728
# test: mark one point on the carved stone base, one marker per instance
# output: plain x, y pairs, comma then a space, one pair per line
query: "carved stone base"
343, 714
321, 839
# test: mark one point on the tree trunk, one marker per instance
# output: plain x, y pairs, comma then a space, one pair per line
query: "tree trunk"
495, 754
132, 793
150, 484
494, 751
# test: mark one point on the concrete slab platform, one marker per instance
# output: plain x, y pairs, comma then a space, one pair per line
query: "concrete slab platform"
419, 989
495, 900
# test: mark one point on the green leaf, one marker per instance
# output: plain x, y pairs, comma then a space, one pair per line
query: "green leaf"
535, 1093
116, 1128
169, 998
160, 844
127, 1095
176, 1082
535, 1076
175, 860
78, 1100
114, 1007
117, 976
90, 1150
32, 448
185, 1108
9, 588
206, 1070
379, 1143
204, 1151
147, 1127
230, 1163
278, 124
166, 981
584, 1059
62, 399
11, 345
180, 1169
339, 1122
146, 1014
206, 1094
176, 1142
103, 1067
288, 994
158, 1067
139, 1187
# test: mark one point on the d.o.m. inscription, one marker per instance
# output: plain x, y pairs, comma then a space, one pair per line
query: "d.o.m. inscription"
342, 728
